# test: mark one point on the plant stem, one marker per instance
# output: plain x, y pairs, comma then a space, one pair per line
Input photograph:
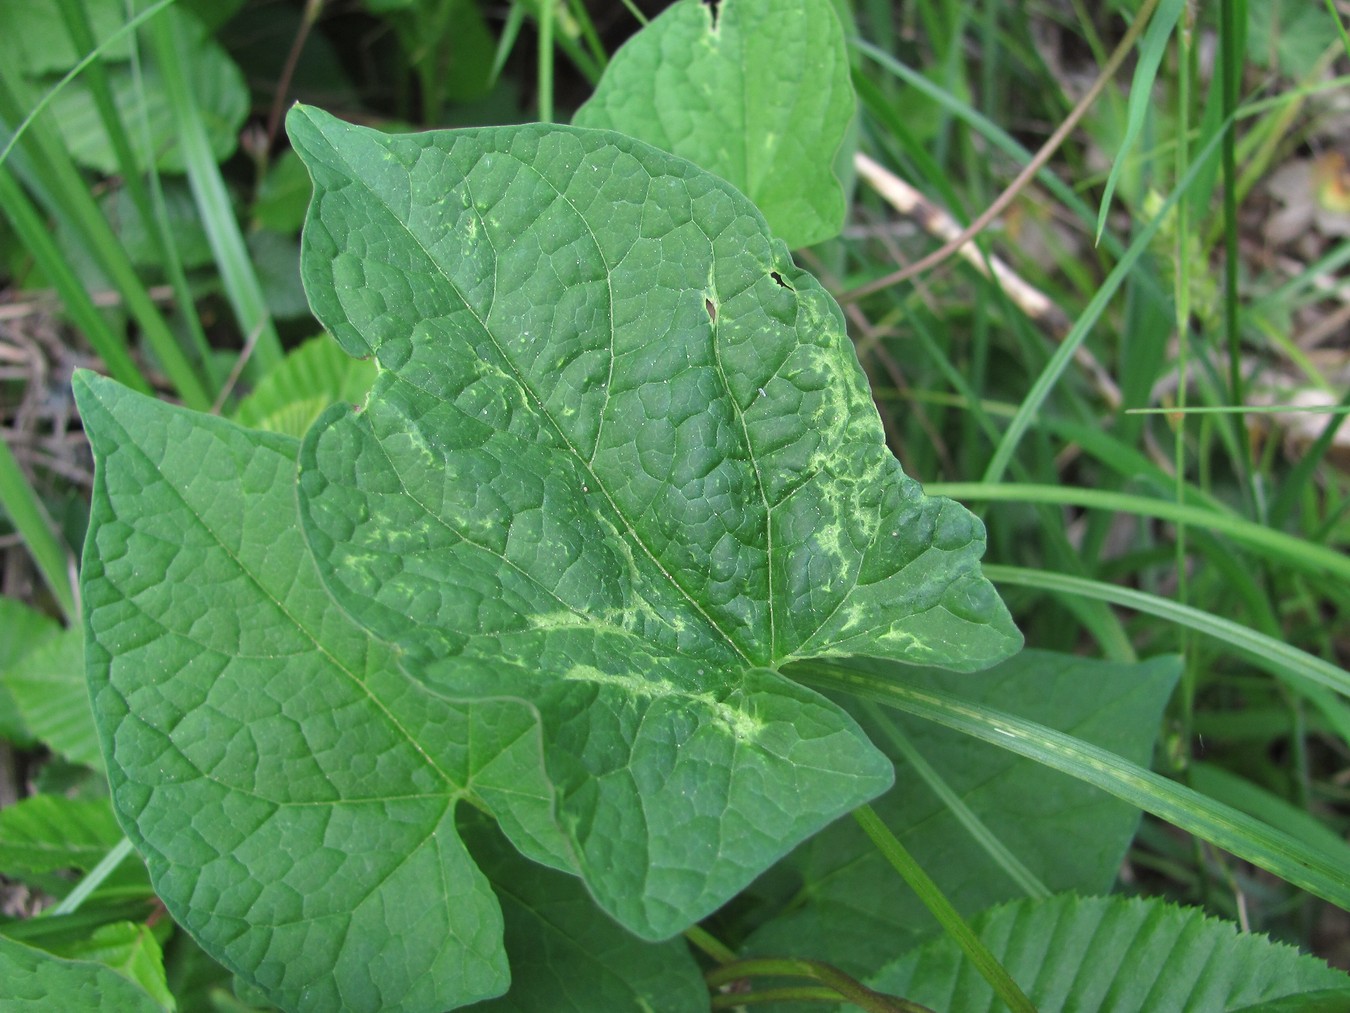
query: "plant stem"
941, 908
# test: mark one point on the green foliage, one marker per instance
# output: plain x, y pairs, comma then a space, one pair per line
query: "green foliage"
838, 902
36, 41
1118, 954
604, 613
31, 978
314, 376
756, 92
468, 656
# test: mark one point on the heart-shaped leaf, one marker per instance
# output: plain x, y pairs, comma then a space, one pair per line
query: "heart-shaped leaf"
619, 466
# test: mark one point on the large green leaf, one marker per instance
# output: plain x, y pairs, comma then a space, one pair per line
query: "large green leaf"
291, 790
619, 466
848, 907
757, 91
1113, 955
33, 981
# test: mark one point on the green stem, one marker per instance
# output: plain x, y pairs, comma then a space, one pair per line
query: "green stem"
834, 979
710, 944
546, 61
91, 882
942, 909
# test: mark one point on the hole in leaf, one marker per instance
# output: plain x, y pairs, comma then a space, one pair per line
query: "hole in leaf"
779, 279
714, 9
711, 308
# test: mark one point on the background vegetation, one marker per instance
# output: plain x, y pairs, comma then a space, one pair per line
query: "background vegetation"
1117, 376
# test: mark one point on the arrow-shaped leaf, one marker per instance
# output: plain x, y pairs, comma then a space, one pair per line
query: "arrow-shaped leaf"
619, 465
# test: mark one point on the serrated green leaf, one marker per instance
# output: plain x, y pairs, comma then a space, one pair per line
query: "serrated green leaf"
1111, 955
51, 696
33, 981
850, 909
45, 833
620, 464
130, 949
312, 377
25, 629
756, 91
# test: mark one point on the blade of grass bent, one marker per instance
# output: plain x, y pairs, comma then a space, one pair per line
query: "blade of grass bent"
1151, 50
1274, 544
75, 72
1235, 832
1059, 362
1274, 656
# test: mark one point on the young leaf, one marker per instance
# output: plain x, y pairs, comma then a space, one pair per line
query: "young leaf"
1116, 955
293, 394
619, 465
130, 949
757, 91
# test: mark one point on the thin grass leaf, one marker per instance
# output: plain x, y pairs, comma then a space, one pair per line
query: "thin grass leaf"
1249, 839
1280, 659
73, 202
1274, 545
75, 72
213, 201
1151, 49
36, 237
941, 908
1059, 362
152, 218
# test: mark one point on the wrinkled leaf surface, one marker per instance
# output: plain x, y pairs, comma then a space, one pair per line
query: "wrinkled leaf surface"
619, 465
757, 91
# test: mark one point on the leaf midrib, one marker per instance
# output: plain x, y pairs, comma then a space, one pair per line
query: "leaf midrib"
518, 377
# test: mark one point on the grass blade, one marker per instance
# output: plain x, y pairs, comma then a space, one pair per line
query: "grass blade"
213, 201
1249, 839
